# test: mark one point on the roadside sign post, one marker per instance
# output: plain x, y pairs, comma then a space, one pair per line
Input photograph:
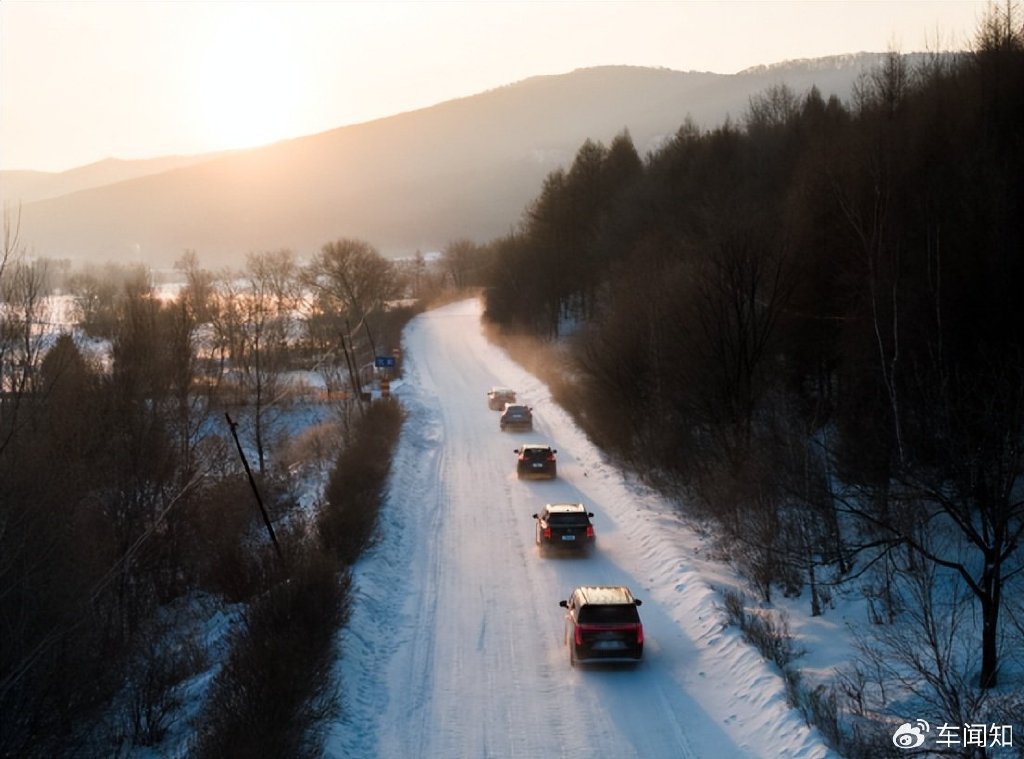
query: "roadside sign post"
386, 364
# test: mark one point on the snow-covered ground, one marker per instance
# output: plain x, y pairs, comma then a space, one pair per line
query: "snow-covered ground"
455, 649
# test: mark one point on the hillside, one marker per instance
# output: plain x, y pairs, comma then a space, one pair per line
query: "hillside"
416, 180
30, 186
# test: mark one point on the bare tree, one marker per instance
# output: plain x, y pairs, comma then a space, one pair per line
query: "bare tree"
11, 232
920, 654
351, 278
23, 312
199, 286
461, 258
350, 283
775, 107
740, 294
968, 483
256, 311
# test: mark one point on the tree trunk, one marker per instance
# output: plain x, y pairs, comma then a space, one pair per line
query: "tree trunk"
991, 583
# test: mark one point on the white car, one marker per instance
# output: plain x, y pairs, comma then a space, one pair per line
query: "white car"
498, 396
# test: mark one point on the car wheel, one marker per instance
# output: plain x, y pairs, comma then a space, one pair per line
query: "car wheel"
572, 655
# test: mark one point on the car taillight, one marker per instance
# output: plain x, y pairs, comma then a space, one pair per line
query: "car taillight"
551, 457
590, 530
639, 633
547, 533
579, 636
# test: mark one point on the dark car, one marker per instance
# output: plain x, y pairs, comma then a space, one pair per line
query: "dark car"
536, 461
602, 624
516, 417
564, 525
498, 396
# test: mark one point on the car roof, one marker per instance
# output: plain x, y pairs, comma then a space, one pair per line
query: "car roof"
535, 447
605, 595
501, 389
565, 508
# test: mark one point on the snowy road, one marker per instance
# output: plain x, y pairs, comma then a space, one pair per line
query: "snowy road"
455, 645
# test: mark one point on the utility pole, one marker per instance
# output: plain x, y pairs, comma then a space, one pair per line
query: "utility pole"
255, 490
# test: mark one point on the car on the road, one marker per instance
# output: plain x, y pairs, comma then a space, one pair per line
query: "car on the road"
564, 525
536, 461
498, 396
516, 417
602, 624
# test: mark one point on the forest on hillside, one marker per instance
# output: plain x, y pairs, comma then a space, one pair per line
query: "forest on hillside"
807, 325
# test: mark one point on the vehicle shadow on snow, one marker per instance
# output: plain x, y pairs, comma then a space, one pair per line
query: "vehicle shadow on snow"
663, 683
567, 554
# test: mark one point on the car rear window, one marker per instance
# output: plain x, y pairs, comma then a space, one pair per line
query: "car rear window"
568, 520
536, 453
608, 614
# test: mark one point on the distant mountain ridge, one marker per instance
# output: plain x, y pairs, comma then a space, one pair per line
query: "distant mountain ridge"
413, 181
29, 186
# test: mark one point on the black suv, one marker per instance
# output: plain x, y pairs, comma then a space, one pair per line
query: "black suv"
564, 525
536, 461
516, 417
602, 624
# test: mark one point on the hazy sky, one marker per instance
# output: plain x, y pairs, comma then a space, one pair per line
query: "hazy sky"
86, 80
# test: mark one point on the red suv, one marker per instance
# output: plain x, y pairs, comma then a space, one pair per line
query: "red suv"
602, 624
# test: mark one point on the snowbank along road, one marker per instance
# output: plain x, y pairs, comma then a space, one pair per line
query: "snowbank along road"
455, 647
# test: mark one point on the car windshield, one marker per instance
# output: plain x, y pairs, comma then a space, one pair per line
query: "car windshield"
568, 520
608, 614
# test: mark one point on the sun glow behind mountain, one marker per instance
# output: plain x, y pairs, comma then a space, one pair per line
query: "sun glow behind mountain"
146, 80
251, 86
